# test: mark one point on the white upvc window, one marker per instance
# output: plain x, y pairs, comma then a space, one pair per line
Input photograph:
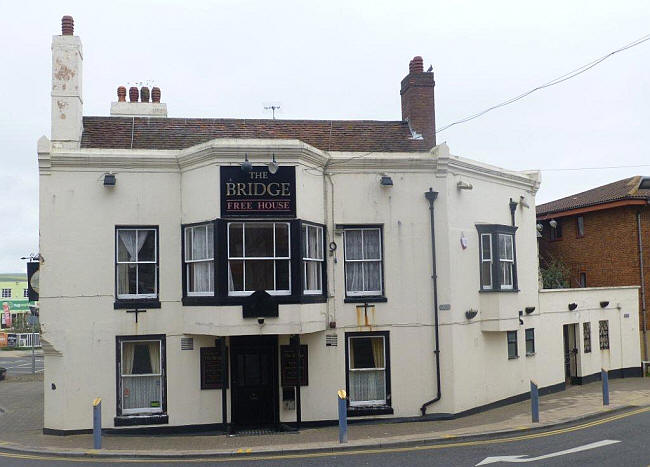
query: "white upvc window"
363, 261
6, 293
367, 370
199, 260
506, 260
486, 261
259, 258
312, 251
141, 377
137, 263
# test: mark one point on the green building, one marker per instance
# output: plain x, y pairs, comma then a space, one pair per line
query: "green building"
13, 297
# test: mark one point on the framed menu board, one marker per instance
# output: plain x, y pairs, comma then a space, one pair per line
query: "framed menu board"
213, 364
289, 366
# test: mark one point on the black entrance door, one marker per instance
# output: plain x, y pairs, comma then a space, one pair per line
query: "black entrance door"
254, 381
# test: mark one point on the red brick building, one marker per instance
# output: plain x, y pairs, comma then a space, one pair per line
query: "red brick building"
603, 237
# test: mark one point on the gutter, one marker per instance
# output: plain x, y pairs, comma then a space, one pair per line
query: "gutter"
431, 197
643, 302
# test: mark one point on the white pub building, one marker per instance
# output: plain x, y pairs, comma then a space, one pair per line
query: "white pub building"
223, 273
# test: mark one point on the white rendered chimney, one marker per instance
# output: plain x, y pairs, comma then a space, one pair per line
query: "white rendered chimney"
67, 102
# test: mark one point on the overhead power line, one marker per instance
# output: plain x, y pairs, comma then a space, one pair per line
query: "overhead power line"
553, 82
596, 168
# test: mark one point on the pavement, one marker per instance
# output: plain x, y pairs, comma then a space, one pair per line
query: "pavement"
21, 422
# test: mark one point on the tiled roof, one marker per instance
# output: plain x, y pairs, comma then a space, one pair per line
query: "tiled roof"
627, 189
181, 133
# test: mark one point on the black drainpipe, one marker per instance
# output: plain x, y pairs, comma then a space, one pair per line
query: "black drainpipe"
431, 197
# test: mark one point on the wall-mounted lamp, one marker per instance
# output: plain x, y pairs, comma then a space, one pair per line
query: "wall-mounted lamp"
109, 179
273, 165
539, 228
529, 309
386, 180
522, 202
604, 304
553, 223
471, 313
464, 185
246, 166
573, 306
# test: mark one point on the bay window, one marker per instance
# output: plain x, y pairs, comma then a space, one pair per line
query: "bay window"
368, 369
312, 257
497, 258
199, 259
136, 262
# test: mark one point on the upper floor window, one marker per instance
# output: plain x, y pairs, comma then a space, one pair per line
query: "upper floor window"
199, 256
498, 269
312, 251
136, 262
363, 261
6, 293
556, 232
581, 226
259, 258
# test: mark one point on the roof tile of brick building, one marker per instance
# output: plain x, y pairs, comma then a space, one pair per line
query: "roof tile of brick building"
181, 133
617, 191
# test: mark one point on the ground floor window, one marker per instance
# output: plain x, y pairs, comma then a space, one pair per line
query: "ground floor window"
603, 334
530, 341
512, 344
368, 366
141, 370
586, 332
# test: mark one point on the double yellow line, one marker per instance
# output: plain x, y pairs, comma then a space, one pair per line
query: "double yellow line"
245, 457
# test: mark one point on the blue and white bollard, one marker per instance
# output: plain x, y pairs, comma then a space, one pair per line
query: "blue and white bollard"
534, 401
97, 423
343, 416
605, 378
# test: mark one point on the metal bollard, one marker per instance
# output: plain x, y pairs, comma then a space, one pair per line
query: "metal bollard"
97, 423
343, 416
605, 378
534, 401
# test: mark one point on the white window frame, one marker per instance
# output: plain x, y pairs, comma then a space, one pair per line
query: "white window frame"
307, 259
375, 403
144, 410
488, 260
136, 262
189, 262
363, 293
511, 261
6, 293
244, 258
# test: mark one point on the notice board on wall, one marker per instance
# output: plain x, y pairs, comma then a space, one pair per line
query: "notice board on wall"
289, 366
213, 365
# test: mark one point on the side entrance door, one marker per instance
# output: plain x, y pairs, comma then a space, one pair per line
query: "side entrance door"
570, 333
254, 381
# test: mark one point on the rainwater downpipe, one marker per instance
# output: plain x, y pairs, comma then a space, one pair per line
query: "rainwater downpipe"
431, 197
643, 303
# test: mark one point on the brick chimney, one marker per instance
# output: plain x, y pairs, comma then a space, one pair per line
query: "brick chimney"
417, 101
67, 102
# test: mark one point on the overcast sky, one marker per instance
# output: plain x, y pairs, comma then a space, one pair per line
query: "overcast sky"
343, 60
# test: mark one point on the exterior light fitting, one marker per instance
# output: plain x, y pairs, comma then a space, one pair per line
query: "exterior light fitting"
386, 180
471, 313
604, 304
529, 309
273, 165
573, 306
553, 223
522, 202
109, 179
464, 185
246, 166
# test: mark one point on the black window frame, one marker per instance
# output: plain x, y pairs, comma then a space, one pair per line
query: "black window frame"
530, 339
381, 298
603, 334
495, 230
359, 411
509, 342
147, 303
122, 419
220, 297
586, 337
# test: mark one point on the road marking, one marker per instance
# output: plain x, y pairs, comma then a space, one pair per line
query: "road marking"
523, 458
327, 453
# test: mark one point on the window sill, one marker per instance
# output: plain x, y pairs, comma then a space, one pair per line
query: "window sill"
513, 358
366, 299
499, 290
370, 410
135, 420
122, 304
230, 300
531, 354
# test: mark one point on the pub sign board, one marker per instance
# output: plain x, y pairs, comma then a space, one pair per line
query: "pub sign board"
258, 193
289, 366
213, 364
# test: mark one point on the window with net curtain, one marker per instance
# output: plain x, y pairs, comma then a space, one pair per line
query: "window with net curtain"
137, 268
312, 248
141, 377
363, 261
199, 259
259, 258
367, 370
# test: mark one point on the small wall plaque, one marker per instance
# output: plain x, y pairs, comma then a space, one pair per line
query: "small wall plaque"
444, 307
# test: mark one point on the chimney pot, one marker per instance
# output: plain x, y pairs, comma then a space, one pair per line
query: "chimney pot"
67, 26
416, 65
133, 94
144, 94
121, 94
155, 94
